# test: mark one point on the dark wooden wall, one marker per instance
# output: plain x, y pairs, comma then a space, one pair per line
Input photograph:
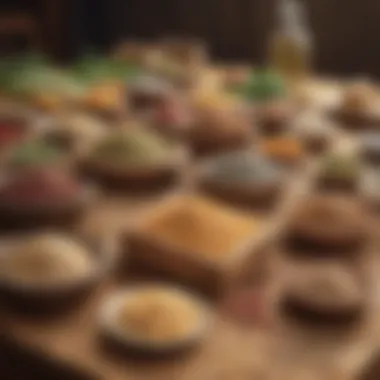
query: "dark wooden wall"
346, 31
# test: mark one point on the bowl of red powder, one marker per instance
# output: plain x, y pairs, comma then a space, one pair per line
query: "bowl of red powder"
12, 130
40, 197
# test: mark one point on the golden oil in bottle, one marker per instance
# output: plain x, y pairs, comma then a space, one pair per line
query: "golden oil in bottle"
290, 48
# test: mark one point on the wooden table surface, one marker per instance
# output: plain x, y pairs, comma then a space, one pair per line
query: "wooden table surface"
230, 352
237, 352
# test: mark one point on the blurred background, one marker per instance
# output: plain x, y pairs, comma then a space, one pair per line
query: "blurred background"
346, 31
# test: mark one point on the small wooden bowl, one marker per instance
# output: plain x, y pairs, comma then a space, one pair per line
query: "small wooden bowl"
132, 178
371, 157
345, 185
14, 217
341, 232
271, 125
316, 145
256, 196
108, 115
206, 146
302, 301
285, 159
303, 312
370, 153
356, 122
369, 192
129, 342
38, 300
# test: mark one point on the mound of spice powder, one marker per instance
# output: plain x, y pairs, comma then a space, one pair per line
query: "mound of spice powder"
282, 149
243, 168
172, 114
40, 187
341, 166
33, 153
221, 121
11, 131
202, 228
133, 147
47, 260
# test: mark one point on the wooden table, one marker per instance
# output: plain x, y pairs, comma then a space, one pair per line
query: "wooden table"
230, 352
73, 341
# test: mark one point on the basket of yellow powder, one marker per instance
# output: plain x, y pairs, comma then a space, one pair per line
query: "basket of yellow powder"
196, 240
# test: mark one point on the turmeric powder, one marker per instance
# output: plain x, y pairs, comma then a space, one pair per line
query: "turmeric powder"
202, 228
282, 149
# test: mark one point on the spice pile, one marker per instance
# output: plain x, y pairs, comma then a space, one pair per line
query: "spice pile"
132, 148
202, 228
152, 112
46, 260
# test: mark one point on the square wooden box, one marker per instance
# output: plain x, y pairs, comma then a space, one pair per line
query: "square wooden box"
209, 276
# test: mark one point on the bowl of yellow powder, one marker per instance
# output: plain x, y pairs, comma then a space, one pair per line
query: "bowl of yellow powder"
50, 271
155, 318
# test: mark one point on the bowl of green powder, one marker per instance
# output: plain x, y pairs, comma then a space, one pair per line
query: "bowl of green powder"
134, 157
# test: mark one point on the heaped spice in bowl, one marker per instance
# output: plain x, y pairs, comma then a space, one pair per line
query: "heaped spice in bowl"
370, 148
155, 318
75, 132
12, 130
283, 150
327, 226
135, 159
146, 92
243, 176
132, 148
157, 315
34, 153
221, 125
359, 105
315, 131
275, 116
202, 228
340, 172
40, 187
242, 168
46, 260
325, 296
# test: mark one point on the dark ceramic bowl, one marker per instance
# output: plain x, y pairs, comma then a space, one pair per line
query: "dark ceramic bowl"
370, 148
356, 121
324, 295
305, 312
39, 300
128, 341
337, 184
327, 233
17, 217
203, 145
317, 144
255, 196
258, 194
149, 177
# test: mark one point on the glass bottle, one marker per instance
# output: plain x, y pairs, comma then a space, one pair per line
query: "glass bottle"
290, 48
